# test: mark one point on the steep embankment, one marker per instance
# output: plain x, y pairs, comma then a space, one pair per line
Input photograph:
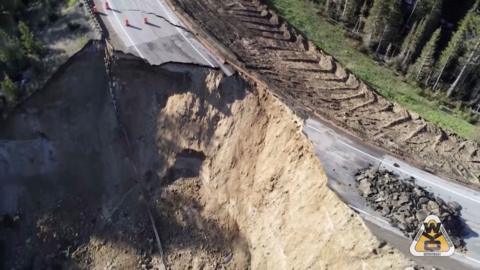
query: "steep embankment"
313, 82
222, 166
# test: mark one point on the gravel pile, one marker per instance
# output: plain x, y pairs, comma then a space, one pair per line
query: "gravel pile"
406, 205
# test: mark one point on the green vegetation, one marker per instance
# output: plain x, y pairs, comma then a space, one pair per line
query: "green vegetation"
375, 24
71, 3
20, 51
12, 57
331, 38
8, 89
423, 68
30, 45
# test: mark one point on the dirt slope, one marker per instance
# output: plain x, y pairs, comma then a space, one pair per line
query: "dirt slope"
314, 83
259, 175
222, 166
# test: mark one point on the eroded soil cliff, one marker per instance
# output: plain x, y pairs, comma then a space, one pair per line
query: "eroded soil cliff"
97, 163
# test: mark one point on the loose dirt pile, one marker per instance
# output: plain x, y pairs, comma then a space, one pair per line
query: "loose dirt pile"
406, 205
312, 82
216, 165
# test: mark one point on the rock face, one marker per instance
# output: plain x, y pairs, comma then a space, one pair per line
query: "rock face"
406, 205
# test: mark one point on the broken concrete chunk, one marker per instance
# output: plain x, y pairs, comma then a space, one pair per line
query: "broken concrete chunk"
405, 204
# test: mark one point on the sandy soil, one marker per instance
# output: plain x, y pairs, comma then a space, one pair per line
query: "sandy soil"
315, 84
220, 165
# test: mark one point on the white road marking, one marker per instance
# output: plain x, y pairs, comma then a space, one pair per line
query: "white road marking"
125, 31
372, 217
181, 33
368, 214
399, 169
401, 235
176, 28
468, 258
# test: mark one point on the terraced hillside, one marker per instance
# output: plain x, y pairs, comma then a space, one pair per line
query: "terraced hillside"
315, 83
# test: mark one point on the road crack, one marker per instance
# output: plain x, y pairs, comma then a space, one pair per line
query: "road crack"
163, 18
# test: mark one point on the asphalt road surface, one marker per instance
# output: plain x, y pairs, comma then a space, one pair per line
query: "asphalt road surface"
149, 29
342, 155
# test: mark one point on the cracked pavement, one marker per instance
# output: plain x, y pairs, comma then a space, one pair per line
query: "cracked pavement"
160, 39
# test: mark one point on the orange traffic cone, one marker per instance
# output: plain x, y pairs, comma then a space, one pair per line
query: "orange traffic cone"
94, 8
127, 23
107, 6
145, 20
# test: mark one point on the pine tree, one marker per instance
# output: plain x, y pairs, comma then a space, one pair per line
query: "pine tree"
424, 65
360, 23
468, 57
472, 54
350, 11
407, 41
432, 21
375, 24
8, 88
30, 45
411, 43
326, 8
421, 9
428, 14
384, 24
453, 49
417, 36
394, 22
12, 55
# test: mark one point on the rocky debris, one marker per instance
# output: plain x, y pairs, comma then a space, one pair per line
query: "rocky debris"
418, 267
406, 205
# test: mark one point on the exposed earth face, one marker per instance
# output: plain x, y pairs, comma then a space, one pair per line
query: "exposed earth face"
178, 166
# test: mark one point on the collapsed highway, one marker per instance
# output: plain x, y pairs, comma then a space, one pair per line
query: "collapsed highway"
316, 86
210, 139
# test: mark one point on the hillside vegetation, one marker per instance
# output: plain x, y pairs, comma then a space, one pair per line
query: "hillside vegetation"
410, 53
35, 38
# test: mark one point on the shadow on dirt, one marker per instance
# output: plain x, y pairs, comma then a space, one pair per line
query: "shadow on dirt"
72, 179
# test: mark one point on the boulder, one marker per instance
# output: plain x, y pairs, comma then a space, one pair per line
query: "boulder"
365, 188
